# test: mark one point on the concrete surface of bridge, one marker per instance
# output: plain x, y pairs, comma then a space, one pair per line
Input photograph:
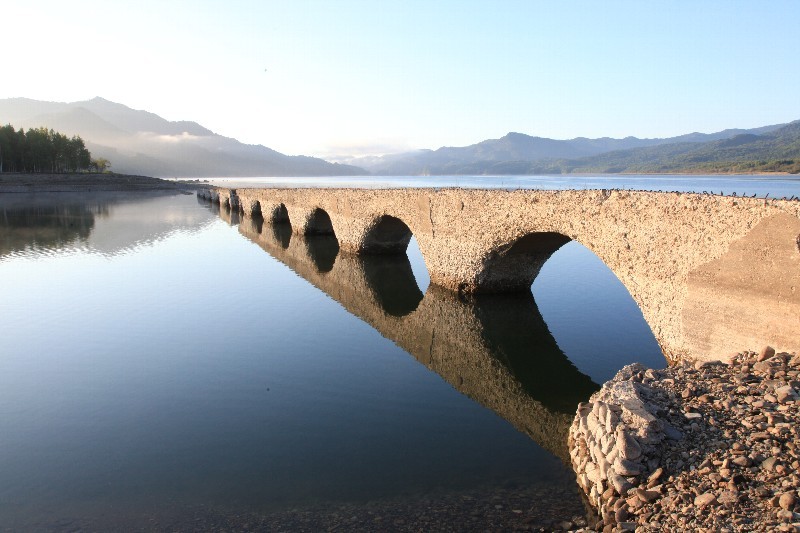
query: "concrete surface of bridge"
711, 274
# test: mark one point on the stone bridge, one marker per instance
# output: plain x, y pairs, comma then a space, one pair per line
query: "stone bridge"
711, 274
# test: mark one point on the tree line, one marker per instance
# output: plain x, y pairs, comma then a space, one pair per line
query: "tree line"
42, 150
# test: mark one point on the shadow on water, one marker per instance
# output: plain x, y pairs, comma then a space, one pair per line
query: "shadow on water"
322, 250
282, 231
495, 349
258, 221
393, 283
517, 335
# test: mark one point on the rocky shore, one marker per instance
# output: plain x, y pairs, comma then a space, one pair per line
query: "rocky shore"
695, 447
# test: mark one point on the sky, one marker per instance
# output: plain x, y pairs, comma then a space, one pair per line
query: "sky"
355, 77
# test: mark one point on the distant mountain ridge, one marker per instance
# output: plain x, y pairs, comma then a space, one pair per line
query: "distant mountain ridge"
776, 150
140, 142
517, 153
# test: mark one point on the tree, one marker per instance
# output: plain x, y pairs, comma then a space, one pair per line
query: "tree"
100, 164
43, 150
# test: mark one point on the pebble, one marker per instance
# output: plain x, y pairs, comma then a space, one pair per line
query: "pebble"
705, 499
787, 501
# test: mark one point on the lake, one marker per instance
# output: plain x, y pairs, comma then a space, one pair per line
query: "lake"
166, 366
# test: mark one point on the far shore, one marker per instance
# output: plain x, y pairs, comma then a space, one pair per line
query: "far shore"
13, 182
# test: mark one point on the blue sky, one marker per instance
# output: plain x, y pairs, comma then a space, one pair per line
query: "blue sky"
340, 77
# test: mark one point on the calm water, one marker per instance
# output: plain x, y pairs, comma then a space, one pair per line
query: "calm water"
156, 355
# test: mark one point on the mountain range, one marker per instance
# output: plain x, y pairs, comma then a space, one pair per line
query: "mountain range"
517, 153
139, 142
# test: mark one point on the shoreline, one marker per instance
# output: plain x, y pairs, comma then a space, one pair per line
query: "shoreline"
15, 183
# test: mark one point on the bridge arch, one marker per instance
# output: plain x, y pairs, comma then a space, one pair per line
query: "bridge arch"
387, 235
255, 210
279, 214
513, 266
318, 223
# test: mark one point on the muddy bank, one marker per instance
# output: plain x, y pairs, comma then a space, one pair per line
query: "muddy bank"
695, 447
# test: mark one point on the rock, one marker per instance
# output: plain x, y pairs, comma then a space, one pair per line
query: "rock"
621, 514
593, 473
634, 502
784, 394
672, 433
728, 497
655, 475
762, 367
742, 460
769, 463
623, 467
705, 499
620, 484
647, 496
766, 353
592, 422
787, 500
627, 446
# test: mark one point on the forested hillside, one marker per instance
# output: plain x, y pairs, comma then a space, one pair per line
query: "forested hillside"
777, 151
773, 150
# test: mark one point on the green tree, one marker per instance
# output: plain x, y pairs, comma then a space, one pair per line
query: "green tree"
42, 150
100, 164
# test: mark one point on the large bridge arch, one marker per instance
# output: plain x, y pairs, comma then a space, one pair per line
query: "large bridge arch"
513, 266
313, 221
386, 235
279, 214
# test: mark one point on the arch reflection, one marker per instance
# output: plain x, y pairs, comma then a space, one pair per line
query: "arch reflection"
496, 349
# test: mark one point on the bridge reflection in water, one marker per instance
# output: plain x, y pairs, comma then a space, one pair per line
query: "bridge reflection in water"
495, 349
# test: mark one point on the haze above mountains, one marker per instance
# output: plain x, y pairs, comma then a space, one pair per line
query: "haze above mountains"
139, 142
